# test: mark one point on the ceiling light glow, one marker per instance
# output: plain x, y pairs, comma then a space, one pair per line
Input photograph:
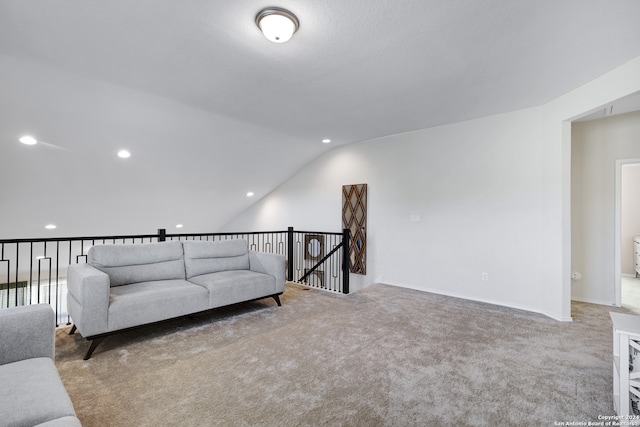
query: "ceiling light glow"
326, 141
277, 24
124, 154
28, 140
50, 226
250, 194
179, 225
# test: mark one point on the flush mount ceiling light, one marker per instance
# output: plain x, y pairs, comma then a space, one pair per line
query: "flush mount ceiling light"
277, 24
124, 154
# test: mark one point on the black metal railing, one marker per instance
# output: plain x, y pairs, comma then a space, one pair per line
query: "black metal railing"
263, 241
319, 259
35, 270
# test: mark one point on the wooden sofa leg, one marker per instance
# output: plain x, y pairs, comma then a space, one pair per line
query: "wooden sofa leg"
277, 298
73, 330
94, 343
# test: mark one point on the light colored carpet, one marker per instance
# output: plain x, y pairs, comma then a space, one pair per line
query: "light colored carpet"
383, 356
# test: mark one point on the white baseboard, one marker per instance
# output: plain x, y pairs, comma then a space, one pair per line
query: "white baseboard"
593, 301
487, 301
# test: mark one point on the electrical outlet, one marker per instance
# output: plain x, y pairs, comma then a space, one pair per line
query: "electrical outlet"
485, 277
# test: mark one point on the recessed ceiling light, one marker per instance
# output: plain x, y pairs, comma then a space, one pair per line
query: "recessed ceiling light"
250, 194
179, 225
28, 140
326, 141
124, 154
50, 226
277, 24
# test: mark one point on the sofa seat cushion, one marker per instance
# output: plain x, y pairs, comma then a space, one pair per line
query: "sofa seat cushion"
32, 393
230, 287
148, 302
135, 263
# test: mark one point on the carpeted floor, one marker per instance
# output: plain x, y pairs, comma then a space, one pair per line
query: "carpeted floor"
383, 356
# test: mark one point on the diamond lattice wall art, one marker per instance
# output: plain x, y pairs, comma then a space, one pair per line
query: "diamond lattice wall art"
354, 217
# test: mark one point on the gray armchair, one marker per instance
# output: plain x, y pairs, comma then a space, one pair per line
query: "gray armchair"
32, 391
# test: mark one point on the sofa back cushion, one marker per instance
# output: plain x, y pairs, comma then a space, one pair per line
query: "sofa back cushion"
135, 263
212, 257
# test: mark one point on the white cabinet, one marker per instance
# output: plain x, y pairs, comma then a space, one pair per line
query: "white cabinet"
626, 364
636, 254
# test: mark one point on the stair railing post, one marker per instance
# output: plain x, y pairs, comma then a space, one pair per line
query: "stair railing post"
290, 254
346, 260
162, 234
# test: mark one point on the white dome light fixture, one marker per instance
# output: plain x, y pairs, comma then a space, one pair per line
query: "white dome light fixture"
277, 24
124, 154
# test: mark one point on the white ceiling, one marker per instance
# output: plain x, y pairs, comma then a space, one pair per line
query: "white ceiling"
355, 70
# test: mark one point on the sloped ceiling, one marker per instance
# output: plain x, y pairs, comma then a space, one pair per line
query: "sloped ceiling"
254, 112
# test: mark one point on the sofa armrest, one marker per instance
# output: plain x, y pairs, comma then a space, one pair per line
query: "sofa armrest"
272, 264
88, 298
27, 332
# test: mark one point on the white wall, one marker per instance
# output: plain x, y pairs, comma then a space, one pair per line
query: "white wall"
630, 213
596, 146
494, 195
476, 186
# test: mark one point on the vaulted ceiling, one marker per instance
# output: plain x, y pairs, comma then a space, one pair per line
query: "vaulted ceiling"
356, 70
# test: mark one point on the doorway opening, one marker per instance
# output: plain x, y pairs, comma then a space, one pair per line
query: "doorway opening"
627, 257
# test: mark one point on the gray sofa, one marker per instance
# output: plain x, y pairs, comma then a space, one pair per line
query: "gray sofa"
125, 286
32, 392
